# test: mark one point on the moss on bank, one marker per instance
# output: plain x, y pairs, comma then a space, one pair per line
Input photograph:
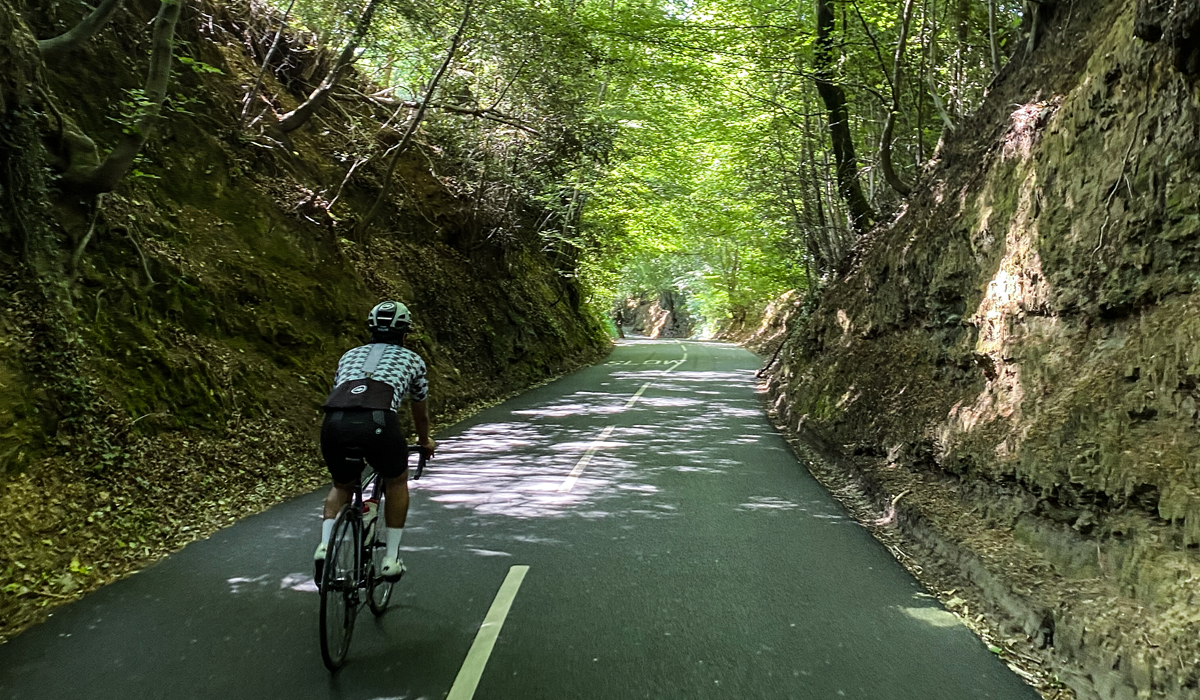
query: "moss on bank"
1029, 330
171, 384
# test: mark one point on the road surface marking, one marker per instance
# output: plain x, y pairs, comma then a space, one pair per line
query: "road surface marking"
481, 649
638, 395
569, 482
646, 386
583, 461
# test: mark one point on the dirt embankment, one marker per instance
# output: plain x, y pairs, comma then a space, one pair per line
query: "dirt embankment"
765, 332
1017, 355
172, 382
655, 315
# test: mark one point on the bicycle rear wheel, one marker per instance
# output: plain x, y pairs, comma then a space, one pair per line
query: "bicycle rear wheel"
379, 591
339, 587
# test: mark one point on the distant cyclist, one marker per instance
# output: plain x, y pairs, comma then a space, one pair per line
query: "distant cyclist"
361, 416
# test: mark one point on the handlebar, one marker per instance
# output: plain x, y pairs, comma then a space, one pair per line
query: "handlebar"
422, 457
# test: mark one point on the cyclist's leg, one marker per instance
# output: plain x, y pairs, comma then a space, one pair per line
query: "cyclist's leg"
337, 435
388, 454
395, 511
338, 496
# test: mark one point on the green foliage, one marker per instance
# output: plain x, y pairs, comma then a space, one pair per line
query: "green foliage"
135, 104
664, 146
199, 67
723, 186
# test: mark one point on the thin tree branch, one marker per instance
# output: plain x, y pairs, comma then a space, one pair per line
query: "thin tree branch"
484, 113
266, 61
878, 53
885, 142
361, 229
297, 117
78, 256
106, 176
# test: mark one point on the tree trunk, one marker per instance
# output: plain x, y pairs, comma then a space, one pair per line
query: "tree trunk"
1033, 16
992, 38
918, 94
360, 230
299, 116
941, 106
87, 27
849, 187
106, 176
929, 77
885, 143
963, 18
818, 242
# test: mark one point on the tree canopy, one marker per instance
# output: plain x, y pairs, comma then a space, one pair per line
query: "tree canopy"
727, 150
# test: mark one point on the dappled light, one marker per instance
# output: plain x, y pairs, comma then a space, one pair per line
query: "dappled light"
481, 473
769, 503
962, 237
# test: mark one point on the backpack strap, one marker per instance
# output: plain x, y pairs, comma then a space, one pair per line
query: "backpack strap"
373, 359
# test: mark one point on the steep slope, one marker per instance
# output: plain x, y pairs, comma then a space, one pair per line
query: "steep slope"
170, 381
1018, 349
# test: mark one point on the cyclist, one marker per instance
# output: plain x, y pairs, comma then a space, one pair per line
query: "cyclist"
361, 415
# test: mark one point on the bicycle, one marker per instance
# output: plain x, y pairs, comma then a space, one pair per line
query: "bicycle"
353, 559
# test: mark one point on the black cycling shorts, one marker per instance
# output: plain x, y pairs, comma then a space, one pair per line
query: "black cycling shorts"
359, 434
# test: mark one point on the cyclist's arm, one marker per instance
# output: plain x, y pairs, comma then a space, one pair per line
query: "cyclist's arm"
420, 414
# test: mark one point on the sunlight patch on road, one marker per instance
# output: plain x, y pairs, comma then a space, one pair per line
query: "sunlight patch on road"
577, 471
934, 617
768, 503
303, 583
487, 552
516, 468
239, 584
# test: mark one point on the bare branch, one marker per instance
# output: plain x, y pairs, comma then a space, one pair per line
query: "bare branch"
87, 27
266, 61
297, 117
362, 227
885, 142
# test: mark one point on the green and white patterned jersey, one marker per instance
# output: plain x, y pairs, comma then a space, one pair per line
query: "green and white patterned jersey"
400, 367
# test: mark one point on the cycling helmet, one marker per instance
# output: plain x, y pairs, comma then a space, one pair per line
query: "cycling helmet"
388, 316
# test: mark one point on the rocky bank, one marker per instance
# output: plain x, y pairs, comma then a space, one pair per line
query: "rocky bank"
1022, 342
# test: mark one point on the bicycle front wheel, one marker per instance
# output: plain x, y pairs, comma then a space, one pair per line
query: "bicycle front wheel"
339, 588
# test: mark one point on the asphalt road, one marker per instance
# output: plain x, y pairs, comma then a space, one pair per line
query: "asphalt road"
690, 556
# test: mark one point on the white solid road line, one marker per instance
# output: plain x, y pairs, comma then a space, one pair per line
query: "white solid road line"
472, 669
583, 461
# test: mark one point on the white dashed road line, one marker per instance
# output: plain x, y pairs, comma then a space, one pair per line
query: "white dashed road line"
468, 677
569, 482
631, 402
583, 461
472, 669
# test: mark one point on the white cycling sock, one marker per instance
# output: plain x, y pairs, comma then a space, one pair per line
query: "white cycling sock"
393, 541
327, 529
